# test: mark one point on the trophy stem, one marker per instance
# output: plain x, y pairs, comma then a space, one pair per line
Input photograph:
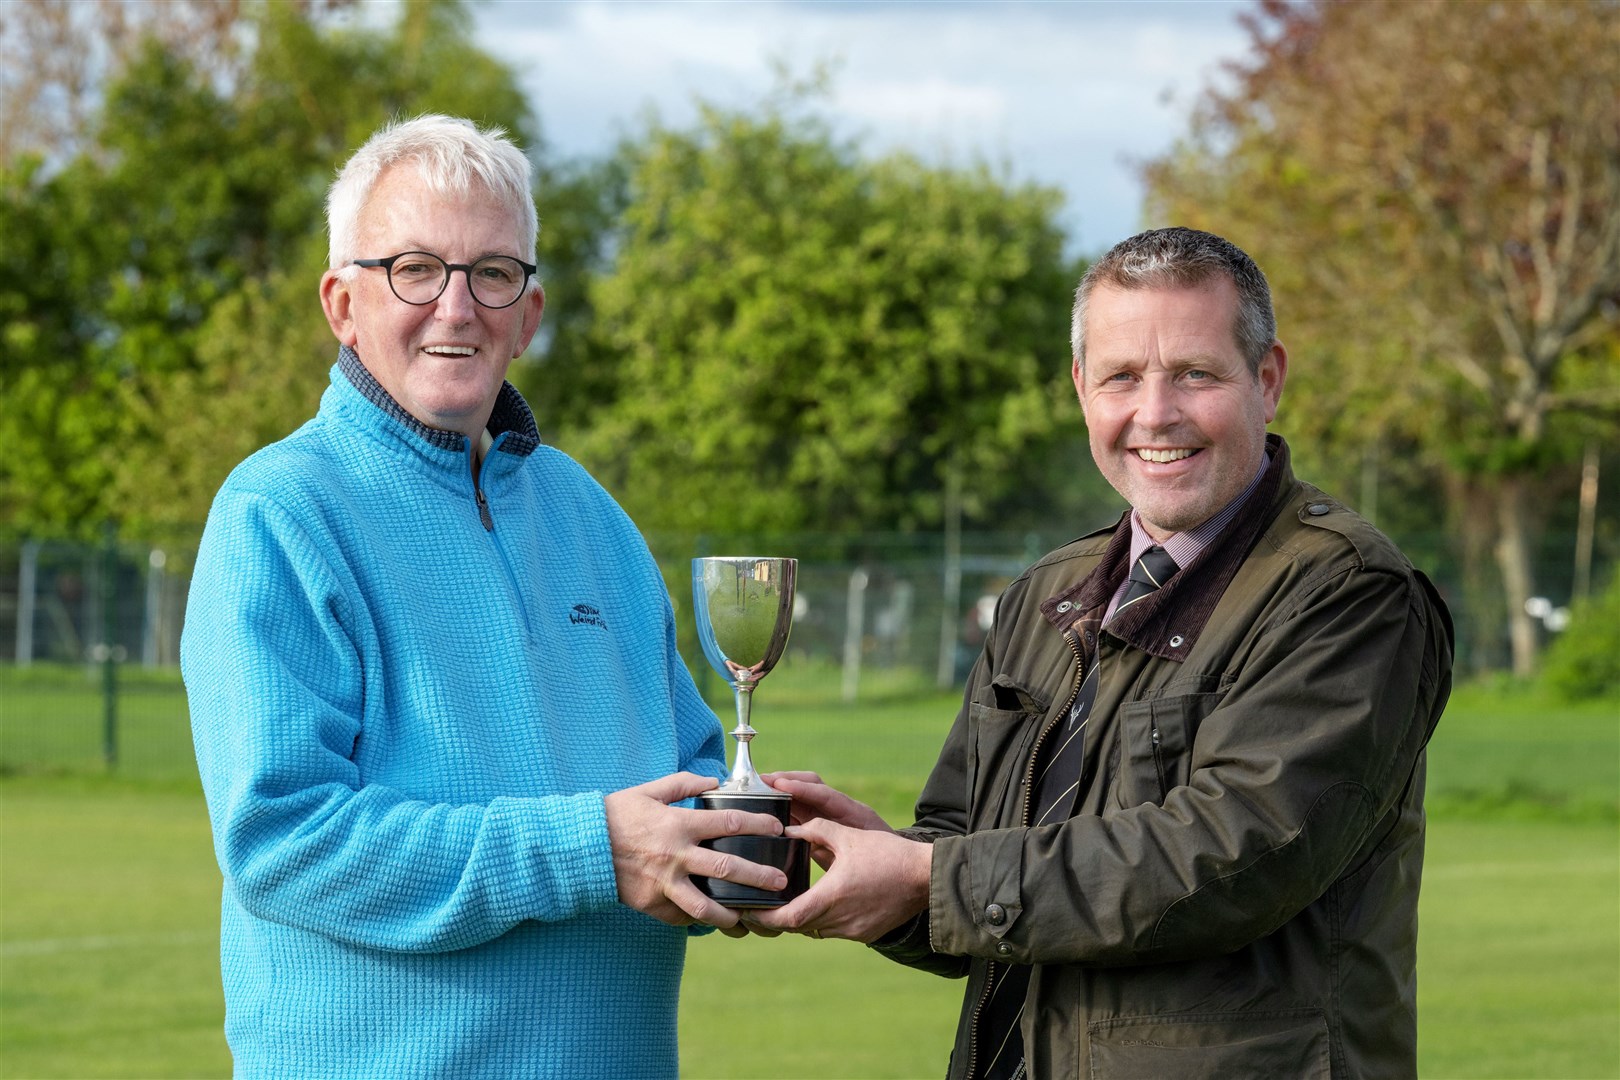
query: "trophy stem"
744, 780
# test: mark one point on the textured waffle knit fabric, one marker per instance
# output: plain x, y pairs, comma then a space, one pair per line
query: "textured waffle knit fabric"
407, 709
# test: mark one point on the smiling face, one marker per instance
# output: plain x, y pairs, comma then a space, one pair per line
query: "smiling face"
442, 362
1176, 420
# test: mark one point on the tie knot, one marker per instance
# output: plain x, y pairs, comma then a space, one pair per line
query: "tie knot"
1154, 568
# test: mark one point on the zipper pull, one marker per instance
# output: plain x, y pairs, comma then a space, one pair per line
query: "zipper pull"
483, 510
478, 489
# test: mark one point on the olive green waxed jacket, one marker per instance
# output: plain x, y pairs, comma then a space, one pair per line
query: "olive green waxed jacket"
1236, 894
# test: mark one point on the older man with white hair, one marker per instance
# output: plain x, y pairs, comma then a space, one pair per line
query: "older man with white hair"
438, 710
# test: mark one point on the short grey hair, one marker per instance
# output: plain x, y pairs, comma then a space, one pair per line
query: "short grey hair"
452, 155
1179, 258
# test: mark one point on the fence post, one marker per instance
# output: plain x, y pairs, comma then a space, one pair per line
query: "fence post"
152, 624
1370, 455
109, 647
27, 584
854, 629
951, 590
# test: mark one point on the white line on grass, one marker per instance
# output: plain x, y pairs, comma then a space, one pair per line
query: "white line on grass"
48, 946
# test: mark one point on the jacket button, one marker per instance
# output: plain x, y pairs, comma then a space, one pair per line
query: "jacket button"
1004, 949
1065, 606
995, 914
1317, 509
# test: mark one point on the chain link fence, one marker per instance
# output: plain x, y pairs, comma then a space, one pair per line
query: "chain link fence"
90, 639
90, 632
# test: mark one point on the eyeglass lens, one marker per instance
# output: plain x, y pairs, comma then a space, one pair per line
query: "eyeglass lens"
418, 277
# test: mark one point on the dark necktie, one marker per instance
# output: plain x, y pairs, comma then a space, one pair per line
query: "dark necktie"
1059, 777
1000, 1042
1152, 570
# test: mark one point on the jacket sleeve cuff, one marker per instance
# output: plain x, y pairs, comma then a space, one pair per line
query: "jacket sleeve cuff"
974, 895
564, 863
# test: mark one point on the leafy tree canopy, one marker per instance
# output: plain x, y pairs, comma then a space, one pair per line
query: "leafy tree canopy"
163, 282
794, 337
1434, 190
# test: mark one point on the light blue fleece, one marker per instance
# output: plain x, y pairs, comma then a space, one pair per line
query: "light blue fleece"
406, 723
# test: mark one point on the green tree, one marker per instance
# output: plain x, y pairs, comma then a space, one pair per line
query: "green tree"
1435, 191
797, 338
54, 375
1583, 661
567, 378
163, 342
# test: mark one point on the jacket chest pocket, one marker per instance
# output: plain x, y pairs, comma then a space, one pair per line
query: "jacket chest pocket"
1000, 749
1156, 739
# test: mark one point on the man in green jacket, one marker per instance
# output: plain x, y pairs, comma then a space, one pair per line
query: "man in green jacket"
1177, 827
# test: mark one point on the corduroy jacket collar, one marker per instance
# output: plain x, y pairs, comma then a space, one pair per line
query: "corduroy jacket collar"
1191, 594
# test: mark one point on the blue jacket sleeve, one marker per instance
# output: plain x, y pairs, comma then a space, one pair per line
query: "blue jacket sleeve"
274, 676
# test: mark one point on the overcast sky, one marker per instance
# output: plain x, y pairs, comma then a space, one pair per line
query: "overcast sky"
1061, 93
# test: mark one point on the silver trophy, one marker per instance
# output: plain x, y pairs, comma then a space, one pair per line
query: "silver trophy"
744, 614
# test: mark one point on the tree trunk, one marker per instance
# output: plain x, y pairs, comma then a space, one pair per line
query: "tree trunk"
1586, 526
1480, 614
1518, 574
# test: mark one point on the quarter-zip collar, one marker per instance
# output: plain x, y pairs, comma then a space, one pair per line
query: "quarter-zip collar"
511, 418
450, 457
1167, 623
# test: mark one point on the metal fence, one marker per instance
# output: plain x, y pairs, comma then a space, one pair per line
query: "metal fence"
89, 633
68, 603
92, 636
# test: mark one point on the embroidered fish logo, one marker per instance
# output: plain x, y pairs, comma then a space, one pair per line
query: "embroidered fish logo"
585, 614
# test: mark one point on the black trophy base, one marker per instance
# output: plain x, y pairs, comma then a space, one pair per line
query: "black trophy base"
789, 855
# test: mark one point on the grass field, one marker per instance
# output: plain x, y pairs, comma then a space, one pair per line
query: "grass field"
109, 901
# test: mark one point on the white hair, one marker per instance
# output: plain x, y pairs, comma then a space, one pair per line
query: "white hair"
451, 155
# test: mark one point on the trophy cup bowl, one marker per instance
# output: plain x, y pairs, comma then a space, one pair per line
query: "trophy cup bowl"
744, 609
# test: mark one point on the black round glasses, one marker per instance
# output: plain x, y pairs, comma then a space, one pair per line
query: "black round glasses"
420, 277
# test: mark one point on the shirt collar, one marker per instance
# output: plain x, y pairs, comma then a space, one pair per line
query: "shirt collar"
1186, 546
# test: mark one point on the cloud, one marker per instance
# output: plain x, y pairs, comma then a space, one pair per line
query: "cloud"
1061, 93
928, 104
